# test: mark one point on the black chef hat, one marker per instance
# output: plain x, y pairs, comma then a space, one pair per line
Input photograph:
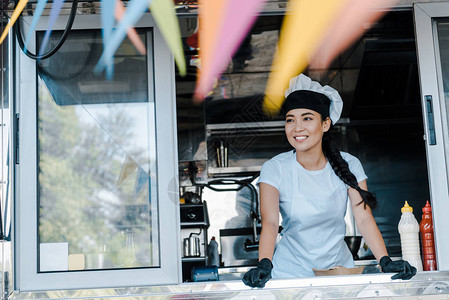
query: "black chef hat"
307, 99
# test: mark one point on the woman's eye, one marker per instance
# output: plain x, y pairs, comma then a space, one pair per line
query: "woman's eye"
307, 119
289, 120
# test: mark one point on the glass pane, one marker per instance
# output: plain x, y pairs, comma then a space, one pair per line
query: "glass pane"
96, 159
443, 41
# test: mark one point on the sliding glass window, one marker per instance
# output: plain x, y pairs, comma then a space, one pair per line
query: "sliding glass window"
96, 160
94, 208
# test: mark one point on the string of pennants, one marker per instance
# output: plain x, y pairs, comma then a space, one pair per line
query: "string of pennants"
312, 30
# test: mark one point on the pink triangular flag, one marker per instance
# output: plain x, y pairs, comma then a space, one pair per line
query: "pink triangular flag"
132, 33
210, 18
234, 25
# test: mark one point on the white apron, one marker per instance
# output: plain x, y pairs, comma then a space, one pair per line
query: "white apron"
313, 236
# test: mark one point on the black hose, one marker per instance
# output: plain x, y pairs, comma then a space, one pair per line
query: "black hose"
58, 44
225, 190
194, 233
256, 200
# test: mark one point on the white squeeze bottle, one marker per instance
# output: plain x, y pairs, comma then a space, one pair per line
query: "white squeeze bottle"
408, 229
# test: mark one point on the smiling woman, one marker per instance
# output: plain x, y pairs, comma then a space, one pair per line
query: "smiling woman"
304, 130
310, 187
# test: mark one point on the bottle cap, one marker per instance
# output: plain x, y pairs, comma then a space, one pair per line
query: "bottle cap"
427, 208
406, 207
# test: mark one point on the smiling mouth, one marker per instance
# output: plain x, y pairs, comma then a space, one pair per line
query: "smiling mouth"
300, 138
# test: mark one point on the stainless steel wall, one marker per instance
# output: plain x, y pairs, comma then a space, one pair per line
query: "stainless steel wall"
5, 158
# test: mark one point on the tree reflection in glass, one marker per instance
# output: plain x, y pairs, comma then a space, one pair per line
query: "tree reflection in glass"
96, 159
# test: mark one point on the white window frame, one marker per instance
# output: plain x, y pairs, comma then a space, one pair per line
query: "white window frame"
161, 82
432, 84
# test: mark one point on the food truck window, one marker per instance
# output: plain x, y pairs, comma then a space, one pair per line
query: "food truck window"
443, 41
96, 160
97, 213
432, 33
381, 124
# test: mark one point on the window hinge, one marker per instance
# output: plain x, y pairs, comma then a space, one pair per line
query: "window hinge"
16, 137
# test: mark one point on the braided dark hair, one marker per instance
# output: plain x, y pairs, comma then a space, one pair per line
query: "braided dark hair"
341, 169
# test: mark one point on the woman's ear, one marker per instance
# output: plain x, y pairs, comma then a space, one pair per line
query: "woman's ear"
327, 124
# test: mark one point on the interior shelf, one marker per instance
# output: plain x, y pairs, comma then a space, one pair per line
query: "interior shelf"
191, 259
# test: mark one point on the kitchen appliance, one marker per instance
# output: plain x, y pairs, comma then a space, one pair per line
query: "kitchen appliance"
250, 244
192, 246
191, 198
234, 246
194, 224
233, 251
205, 273
193, 215
191, 193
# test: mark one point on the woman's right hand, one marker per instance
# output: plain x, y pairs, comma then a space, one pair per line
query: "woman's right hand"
258, 276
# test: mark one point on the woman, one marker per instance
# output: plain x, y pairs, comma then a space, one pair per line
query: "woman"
310, 186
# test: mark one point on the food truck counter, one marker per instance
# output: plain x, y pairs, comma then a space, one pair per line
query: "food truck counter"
425, 285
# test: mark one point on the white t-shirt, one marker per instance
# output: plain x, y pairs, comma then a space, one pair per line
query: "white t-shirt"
312, 205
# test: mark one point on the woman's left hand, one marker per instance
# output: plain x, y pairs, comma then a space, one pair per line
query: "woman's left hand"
406, 271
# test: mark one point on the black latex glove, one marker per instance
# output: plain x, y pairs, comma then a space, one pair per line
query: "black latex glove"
257, 277
406, 271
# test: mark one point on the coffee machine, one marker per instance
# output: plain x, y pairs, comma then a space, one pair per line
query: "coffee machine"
194, 224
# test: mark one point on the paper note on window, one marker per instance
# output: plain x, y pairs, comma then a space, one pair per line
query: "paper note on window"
54, 257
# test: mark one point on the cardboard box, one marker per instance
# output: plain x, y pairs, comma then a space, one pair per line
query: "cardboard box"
338, 270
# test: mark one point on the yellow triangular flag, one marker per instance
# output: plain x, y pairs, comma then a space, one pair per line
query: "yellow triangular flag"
20, 6
302, 31
163, 12
128, 167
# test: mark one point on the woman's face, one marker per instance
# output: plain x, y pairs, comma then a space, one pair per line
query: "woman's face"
304, 129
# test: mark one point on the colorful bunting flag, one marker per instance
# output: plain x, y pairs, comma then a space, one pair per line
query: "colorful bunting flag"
142, 179
302, 31
223, 25
16, 13
132, 33
128, 167
107, 22
37, 14
318, 29
211, 14
136, 9
349, 26
163, 12
165, 17
54, 13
